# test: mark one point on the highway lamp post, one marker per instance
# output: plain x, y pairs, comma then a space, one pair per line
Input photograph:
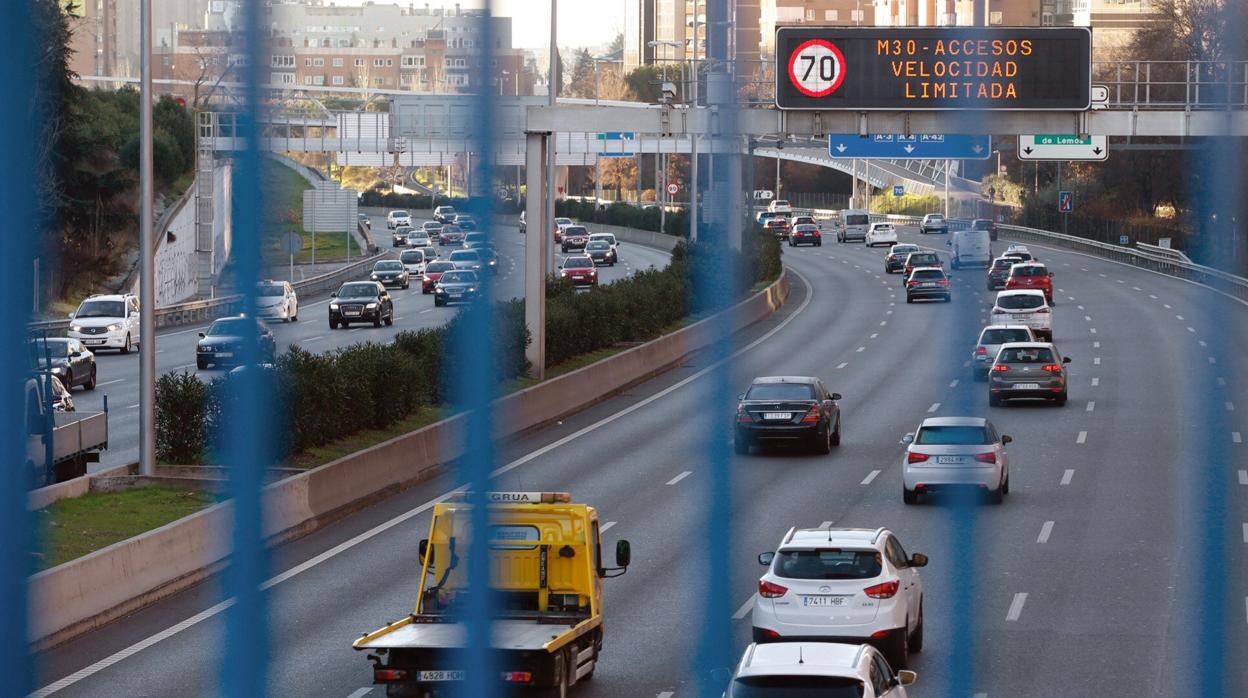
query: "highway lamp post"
147, 253
660, 194
693, 140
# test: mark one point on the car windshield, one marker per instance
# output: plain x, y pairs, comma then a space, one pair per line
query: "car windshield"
450, 229
412, 257
780, 202
805, 228
827, 563
575, 230
271, 290
445, 210
458, 277
884, 228
1019, 302
474, 237
388, 266
230, 327
465, 256
563, 221
917, 259
904, 249
1005, 263
399, 214
935, 217
1024, 355
438, 267
952, 436
605, 237
981, 225
52, 345
1003, 336
1029, 271
598, 246
927, 274
796, 687
357, 291
577, 263
781, 391
856, 219
101, 309
431, 225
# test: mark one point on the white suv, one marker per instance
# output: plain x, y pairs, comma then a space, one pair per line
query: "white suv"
881, 234
107, 322
396, 219
1024, 307
816, 669
842, 585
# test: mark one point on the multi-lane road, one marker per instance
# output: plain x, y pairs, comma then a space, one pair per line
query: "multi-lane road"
175, 348
1085, 582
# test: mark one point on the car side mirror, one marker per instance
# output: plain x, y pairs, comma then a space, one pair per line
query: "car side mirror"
907, 439
70, 316
917, 560
623, 553
1065, 359
202, 335
1007, 439
423, 550
836, 396
334, 294
765, 559
906, 677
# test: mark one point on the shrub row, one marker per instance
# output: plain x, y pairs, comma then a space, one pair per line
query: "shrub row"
625, 215
374, 197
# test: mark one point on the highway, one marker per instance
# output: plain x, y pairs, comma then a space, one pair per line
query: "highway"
1080, 584
118, 374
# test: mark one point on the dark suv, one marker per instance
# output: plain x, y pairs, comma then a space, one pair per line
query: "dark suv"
985, 224
360, 301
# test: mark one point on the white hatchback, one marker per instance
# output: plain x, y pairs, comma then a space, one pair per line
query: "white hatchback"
824, 669
1024, 307
955, 453
881, 234
842, 585
397, 219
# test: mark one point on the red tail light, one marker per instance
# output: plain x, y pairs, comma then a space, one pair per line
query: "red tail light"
769, 633
913, 457
944, 282
1001, 368
912, 283
816, 233
770, 590
517, 677
886, 590
742, 416
986, 457
812, 415
1051, 368
385, 675
1044, 311
981, 351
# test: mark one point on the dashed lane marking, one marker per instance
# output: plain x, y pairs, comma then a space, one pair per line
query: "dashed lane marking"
115, 380
1091, 405
843, 364
1082, 438
860, 349
874, 335
883, 323
1096, 361
1230, 406
826, 524
605, 526
935, 406
1096, 382
680, 477
1068, 476
870, 476
742, 612
1045, 531
953, 383
1236, 438
1016, 606
1096, 345
1191, 329
361, 692
1092, 330
1152, 296
1243, 477
1212, 360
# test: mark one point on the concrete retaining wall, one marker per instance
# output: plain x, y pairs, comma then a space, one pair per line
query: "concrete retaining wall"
73, 598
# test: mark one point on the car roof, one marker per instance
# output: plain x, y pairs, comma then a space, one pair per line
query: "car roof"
1004, 327
803, 537
1028, 263
939, 269
108, 297
806, 658
953, 422
923, 251
806, 380
1028, 345
1021, 292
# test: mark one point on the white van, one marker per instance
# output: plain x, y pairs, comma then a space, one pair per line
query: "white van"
971, 248
854, 225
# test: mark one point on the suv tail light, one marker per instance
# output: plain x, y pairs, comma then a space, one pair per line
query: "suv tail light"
771, 590
914, 457
1051, 368
943, 282
812, 415
981, 351
986, 457
886, 590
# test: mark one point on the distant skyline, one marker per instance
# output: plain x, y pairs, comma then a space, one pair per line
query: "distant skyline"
581, 22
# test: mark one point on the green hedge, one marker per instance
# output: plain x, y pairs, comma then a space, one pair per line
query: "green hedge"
625, 215
321, 398
420, 202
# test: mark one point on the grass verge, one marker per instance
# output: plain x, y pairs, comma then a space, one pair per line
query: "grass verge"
284, 197
358, 442
74, 527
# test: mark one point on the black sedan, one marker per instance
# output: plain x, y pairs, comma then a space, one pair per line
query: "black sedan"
68, 360
805, 234
399, 237
360, 301
601, 252
223, 343
391, 272
788, 410
459, 286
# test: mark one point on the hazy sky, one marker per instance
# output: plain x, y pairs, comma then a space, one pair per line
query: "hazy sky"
581, 22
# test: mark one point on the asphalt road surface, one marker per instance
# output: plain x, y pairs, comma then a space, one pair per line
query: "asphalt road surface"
1086, 582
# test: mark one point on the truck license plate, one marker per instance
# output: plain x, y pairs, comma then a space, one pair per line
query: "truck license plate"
823, 601
439, 676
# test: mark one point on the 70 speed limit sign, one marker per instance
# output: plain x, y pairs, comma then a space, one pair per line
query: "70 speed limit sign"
817, 68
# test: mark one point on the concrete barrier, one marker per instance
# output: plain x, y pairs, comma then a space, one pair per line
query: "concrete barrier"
78, 596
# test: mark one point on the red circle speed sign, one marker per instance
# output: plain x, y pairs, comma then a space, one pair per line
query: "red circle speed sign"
817, 68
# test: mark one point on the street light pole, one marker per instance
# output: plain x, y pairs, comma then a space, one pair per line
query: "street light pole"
548, 222
147, 253
693, 144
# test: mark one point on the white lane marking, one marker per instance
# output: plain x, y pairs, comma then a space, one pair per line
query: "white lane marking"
1081, 307
1082, 438
1096, 345
665, 694
1230, 406
1212, 360
1246, 533
874, 335
1221, 380
313, 339
870, 476
1096, 382
1091, 405
1237, 438
843, 364
680, 477
1136, 288
953, 383
826, 524
387, 525
603, 528
1152, 296
1202, 342
860, 349
889, 312
1016, 606
935, 406
360, 692
883, 323
742, 611
135, 406
1088, 318
1120, 281
429, 310
1103, 276
115, 380
160, 351
1243, 477
1178, 317
1166, 306
965, 364
1191, 329
1068, 476
1096, 361
1045, 531
1092, 330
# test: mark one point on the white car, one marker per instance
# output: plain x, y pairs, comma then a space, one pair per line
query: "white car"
824, 669
107, 322
414, 260
990, 340
881, 234
609, 238
394, 219
1019, 251
842, 585
955, 453
1024, 307
277, 300
780, 206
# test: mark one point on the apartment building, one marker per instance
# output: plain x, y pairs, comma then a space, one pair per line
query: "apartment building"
673, 24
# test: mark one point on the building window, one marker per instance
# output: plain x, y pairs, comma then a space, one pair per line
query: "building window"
1047, 19
831, 16
337, 62
389, 62
318, 62
344, 43
338, 80
379, 62
283, 61
307, 62
285, 78
405, 79
379, 82
359, 62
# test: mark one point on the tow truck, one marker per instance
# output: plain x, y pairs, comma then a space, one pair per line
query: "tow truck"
546, 574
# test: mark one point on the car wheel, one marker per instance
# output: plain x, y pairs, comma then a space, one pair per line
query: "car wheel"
823, 443
909, 496
201, 364
125, 347
1005, 486
899, 656
1061, 399
836, 435
377, 320
90, 384
68, 381
916, 638
438, 302
909, 299
997, 496
390, 319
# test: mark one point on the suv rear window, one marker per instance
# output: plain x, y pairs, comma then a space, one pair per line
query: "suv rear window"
927, 274
1005, 263
922, 259
1003, 336
952, 435
827, 563
1037, 355
781, 391
858, 219
1029, 271
1020, 302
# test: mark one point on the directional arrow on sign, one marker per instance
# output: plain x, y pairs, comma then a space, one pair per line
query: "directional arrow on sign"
840, 147
897, 146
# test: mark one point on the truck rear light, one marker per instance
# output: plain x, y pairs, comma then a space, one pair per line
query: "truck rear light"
771, 590
885, 590
915, 457
387, 675
812, 415
986, 457
517, 676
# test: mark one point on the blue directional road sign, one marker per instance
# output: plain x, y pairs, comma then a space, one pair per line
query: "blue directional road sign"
1065, 202
899, 190
916, 146
617, 136
1124, 240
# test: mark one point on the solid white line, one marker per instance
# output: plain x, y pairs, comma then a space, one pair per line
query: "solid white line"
870, 476
603, 528
360, 692
935, 406
1068, 476
385, 526
1236, 438
1083, 436
843, 364
1016, 606
1096, 382
953, 383
115, 380
1045, 531
744, 610
1091, 405
313, 339
680, 477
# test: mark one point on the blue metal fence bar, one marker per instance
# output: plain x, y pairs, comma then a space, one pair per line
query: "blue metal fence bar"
249, 446
17, 199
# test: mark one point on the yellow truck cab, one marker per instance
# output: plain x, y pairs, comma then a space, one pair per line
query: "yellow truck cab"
546, 572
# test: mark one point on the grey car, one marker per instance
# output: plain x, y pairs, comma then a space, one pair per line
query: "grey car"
390, 272
990, 340
1034, 370
952, 453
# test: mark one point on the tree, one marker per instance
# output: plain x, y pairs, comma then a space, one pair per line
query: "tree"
1194, 30
645, 82
617, 44
581, 83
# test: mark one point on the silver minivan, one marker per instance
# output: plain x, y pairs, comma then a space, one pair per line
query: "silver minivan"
855, 223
